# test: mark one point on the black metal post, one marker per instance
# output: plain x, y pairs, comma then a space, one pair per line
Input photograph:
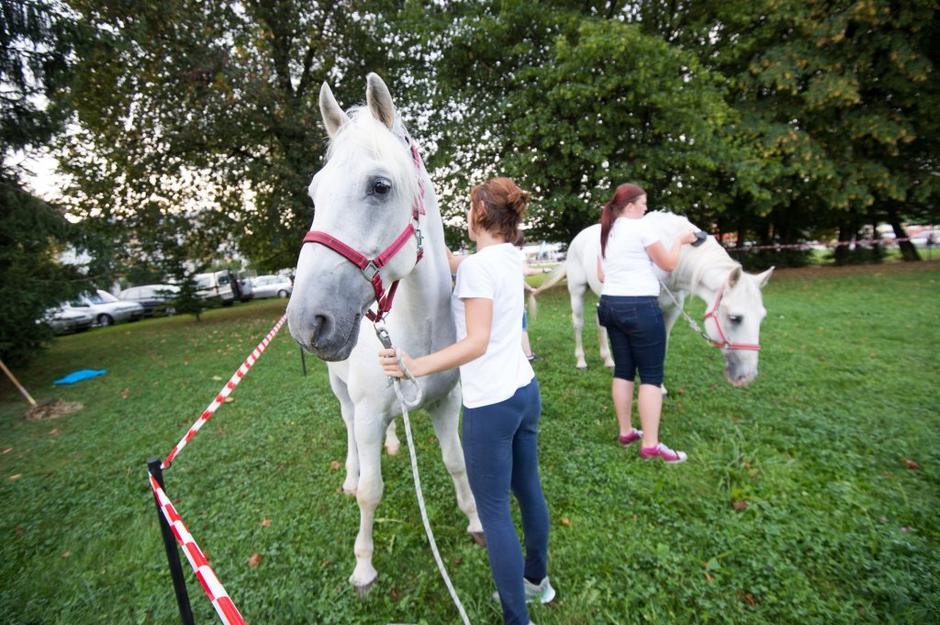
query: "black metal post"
303, 361
172, 553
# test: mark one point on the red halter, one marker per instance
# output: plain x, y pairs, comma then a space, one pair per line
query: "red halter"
371, 268
724, 343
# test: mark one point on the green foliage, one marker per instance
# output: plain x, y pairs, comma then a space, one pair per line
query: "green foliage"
837, 528
614, 104
210, 109
32, 280
34, 46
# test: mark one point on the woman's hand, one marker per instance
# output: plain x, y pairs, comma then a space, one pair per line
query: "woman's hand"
388, 359
687, 237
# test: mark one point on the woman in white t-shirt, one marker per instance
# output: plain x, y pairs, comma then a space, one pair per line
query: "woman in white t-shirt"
501, 398
629, 309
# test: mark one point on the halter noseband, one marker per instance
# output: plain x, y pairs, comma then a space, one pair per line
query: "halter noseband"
371, 268
724, 343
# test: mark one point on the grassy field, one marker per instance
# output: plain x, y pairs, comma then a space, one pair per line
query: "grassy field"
809, 497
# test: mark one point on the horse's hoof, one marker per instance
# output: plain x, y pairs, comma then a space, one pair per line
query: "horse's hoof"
363, 590
479, 538
349, 491
581, 367
392, 450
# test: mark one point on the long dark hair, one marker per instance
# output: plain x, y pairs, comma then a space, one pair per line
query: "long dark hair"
624, 194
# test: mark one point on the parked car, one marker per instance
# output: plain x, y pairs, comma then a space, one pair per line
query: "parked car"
64, 319
107, 309
157, 299
271, 286
220, 285
245, 288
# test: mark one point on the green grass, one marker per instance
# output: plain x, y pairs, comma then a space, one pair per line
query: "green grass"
837, 528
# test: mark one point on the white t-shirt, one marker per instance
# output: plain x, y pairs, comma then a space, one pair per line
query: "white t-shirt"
493, 273
628, 269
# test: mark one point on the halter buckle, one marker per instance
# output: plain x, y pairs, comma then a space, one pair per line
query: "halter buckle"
370, 270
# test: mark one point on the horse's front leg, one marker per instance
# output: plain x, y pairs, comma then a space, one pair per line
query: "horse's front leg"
577, 321
671, 313
445, 415
348, 410
368, 495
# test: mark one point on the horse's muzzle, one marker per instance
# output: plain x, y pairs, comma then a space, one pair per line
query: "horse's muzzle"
322, 333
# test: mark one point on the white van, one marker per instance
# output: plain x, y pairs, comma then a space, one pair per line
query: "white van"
217, 285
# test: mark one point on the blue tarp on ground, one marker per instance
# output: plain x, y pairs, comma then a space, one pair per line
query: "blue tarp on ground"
81, 374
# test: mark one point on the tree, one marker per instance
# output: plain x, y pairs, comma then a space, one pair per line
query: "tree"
572, 100
210, 109
34, 44
841, 97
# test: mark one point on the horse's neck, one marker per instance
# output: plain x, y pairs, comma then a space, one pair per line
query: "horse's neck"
702, 271
422, 305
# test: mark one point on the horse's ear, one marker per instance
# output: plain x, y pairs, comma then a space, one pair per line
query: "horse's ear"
763, 278
734, 276
380, 100
333, 115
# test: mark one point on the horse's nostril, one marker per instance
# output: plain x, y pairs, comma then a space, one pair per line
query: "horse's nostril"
320, 328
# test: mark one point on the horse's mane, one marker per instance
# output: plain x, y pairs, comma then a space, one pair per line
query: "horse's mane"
708, 256
364, 134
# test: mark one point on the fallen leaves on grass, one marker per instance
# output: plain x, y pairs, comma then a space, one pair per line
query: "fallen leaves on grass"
266, 523
55, 432
747, 598
15, 477
254, 560
125, 392
334, 465
66, 554
910, 464
565, 521
739, 504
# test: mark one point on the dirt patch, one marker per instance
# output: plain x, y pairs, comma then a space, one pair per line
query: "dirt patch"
52, 409
854, 270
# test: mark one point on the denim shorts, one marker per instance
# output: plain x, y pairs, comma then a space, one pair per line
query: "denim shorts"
637, 336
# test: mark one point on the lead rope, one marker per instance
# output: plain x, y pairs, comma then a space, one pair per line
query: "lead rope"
692, 323
385, 339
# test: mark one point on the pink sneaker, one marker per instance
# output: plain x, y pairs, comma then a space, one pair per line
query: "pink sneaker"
661, 451
632, 437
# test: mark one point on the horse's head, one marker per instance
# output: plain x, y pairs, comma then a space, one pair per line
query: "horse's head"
733, 323
364, 199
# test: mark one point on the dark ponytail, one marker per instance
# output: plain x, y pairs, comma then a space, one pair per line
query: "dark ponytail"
624, 194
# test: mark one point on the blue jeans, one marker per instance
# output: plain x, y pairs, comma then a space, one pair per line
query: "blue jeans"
500, 444
637, 336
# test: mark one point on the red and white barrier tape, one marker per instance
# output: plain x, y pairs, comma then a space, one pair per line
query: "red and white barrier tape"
225, 392
223, 605
809, 246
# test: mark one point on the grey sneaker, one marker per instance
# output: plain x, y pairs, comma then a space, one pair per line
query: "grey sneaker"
543, 593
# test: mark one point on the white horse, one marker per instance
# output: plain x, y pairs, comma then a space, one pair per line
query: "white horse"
733, 297
373, 187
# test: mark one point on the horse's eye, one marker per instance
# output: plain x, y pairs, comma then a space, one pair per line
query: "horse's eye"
735, 318
380, 187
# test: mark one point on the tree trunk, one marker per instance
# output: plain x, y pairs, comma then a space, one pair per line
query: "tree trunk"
908, 251
846, 234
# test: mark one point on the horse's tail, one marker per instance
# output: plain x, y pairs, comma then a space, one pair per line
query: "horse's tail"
533, 305
554, 278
